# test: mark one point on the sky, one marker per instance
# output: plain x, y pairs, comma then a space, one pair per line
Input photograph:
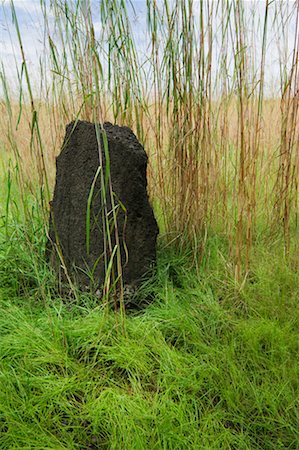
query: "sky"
31, 25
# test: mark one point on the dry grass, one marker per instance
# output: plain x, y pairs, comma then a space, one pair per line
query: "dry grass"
227, 162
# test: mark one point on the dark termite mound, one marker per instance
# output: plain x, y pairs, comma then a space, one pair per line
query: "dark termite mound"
79, 208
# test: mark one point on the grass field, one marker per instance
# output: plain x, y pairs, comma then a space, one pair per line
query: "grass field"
210, 364
206, 366
212, 361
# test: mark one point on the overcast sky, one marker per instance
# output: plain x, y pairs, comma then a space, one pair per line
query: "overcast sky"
31, 26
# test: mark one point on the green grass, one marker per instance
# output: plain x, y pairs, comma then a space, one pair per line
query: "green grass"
206, 366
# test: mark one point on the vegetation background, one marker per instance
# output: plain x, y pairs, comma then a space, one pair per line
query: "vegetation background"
211, 90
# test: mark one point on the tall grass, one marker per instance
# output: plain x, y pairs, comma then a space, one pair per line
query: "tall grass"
223, 152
